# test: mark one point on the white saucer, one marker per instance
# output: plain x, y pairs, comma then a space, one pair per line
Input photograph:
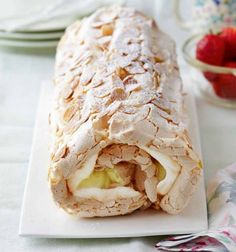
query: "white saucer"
30, 36
28, 44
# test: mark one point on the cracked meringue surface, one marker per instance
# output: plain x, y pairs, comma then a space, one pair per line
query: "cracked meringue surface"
119, 141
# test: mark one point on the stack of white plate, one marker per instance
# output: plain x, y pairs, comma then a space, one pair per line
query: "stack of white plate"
27, 25
40, 26
30, 39
40, 35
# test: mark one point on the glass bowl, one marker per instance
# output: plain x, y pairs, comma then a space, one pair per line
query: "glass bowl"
217, 84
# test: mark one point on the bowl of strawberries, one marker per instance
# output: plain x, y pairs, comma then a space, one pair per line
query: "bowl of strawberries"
213, 60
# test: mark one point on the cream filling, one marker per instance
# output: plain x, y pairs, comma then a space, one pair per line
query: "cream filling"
87, 178
171, 167
82, 173
106, 195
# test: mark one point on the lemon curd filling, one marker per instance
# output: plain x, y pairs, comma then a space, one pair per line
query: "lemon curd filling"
160, 171
102, 179
106, 177
167, 171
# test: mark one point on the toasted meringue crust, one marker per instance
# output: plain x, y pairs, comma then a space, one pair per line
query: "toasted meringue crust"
117, 83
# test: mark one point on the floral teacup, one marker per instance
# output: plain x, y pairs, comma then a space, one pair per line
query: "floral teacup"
208, 15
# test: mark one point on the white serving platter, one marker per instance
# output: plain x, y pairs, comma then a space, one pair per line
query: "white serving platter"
40, 216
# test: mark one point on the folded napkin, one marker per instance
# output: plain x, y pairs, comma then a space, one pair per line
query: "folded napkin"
221, 236
62, 11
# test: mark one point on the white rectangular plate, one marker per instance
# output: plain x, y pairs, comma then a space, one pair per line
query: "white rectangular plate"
42, 218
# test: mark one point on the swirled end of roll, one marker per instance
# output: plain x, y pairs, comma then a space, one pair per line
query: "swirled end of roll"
119, 140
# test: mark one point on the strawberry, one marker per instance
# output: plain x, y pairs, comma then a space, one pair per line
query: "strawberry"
229, 36
225, 85
210, 76
210, 49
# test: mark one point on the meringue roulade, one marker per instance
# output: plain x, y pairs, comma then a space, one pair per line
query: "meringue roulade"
119, 142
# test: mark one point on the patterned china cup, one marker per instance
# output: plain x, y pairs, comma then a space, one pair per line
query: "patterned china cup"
207, 15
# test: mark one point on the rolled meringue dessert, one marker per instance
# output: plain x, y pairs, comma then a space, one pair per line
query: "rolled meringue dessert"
119, 141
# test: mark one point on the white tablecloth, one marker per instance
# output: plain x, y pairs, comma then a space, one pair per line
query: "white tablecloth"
21, 73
